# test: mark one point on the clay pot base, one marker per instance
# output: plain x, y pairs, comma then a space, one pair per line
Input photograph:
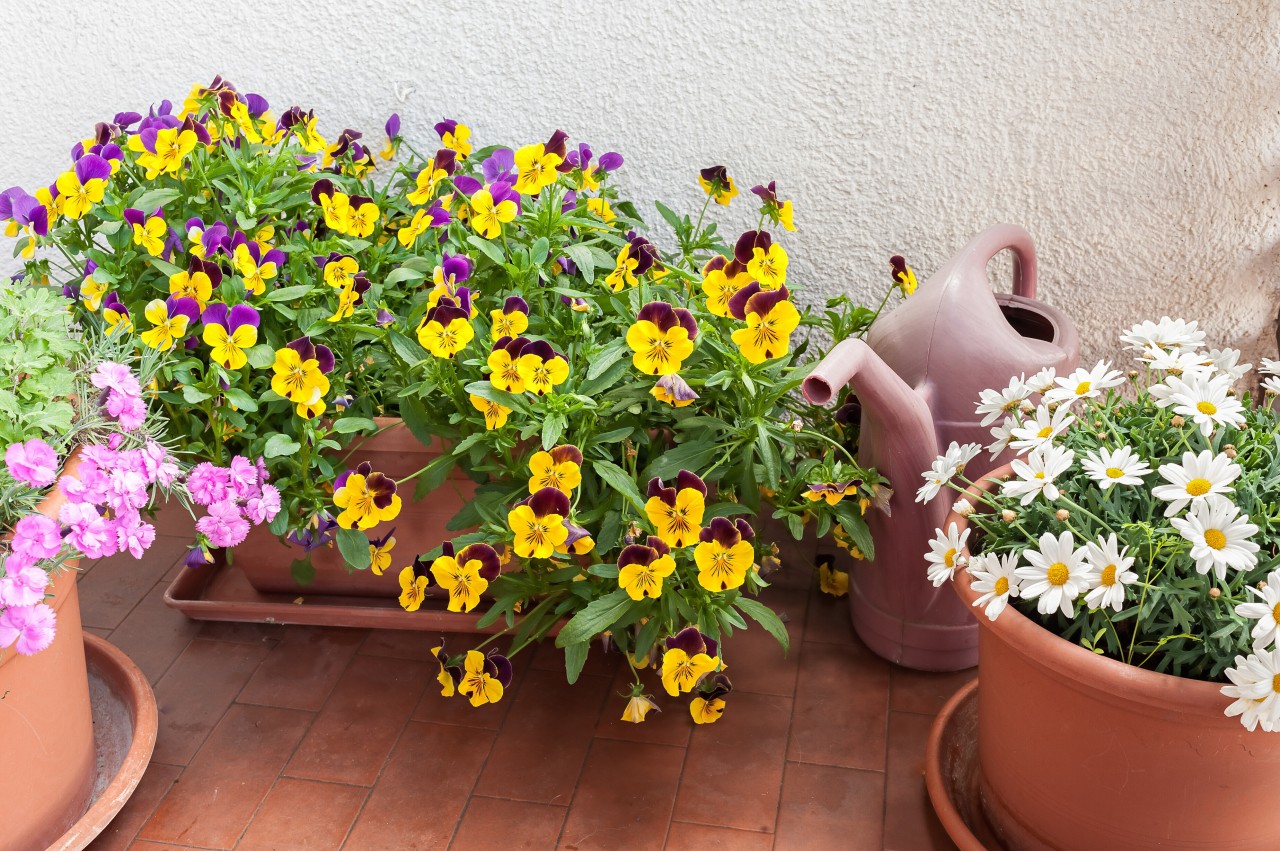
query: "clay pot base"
953, 775
124, 727
220, 592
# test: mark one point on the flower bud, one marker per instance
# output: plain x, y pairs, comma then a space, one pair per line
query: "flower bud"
1177, 422
797, 425
1133, 373
1214, 593
963, 507
1062, 514
1230, 450
1008, 515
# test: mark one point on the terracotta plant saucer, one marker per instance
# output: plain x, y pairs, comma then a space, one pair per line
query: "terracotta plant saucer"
221, 592
124, 729
951, 772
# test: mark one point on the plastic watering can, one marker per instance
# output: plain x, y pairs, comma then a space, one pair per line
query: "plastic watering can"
918, 378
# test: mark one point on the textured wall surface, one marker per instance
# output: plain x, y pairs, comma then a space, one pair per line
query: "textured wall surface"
1138, 141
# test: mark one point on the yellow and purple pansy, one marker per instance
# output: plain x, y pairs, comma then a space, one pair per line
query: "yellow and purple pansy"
25, 215
559, 468
661, 338
115, 314
366, 497
722, 277
170, 320
689, 657
467, 575
716, 182
770, 319
454, 136
724, 553
708, 705
777, 211
446, 329
380, 552
642, 567
83, 186
541, 367
484, 677
300, 375
511, 320
538, 523
148, 231
229, 333
832, 492
198, 282
674, 390
676, 512
255, 266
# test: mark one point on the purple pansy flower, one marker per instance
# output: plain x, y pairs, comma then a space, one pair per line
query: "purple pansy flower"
499, 166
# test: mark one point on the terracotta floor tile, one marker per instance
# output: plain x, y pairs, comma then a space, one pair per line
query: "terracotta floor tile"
422, 791
154, 785
796, 557
361, 721
268, 634
494, 824
670, 726
220, 791
829, 808
98, 631
842, 704
828, 619
119, 583
174, 520
733, 772
755, 659
302, 670
539, 751
196, 691
407, 644
924, 691
624, 798
303, 815
909, 820
700, 837
153, 635
158, 846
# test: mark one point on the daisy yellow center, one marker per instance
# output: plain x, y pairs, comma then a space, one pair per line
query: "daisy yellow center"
1114, 473
1275, 613
1109, 575
1199, 487
1215, 538
1207, 408
1044, 432
1083, 387
949, 558
1002, 586
1058, 574
1275, 683
1040, 475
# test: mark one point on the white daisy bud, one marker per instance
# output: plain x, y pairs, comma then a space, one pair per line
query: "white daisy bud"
963, 507
1214, 593
1177, 422
1062, 514
1008, 516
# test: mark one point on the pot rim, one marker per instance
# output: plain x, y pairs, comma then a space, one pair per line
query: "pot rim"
1076, 666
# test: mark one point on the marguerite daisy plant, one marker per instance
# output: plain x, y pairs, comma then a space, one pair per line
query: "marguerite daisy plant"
1140, 522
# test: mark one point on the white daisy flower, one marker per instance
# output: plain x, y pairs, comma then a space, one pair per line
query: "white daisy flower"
1271, 384
1165, 334
1110, 467
1057, 574
1085, 383
993, 403
1043, 381
963, 507
1255, 683
1203, 400
995, 581
1269, 367
1196, 478
1002, 433
1177, 362
1228, 362
960, 455
1266, 612
1219, 536
1042, 427
944, 554
1037, 474
1109, 573
935, 478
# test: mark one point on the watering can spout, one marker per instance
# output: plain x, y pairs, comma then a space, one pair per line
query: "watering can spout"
902, 420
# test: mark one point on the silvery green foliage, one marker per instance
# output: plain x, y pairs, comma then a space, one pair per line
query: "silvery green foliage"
37, 346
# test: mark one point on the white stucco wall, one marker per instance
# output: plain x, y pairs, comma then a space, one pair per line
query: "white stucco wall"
1139, 142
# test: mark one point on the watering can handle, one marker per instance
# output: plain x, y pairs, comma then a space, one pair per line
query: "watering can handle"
997, 238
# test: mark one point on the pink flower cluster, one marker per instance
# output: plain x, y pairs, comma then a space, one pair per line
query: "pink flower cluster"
122, 395
106, 495
235, 495
32, 463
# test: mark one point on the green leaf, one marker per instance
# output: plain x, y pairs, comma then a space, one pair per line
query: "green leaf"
853, 523
670, 215
433, 476
167, 268
538, 252
280, 444
404, 273
691, 456
407, 350
261, 356
194, 395
242, 400
347, 425
354, 546
486, 390
487, 248
617, 478
552, 428
613, 436
768, 455
289, 293
575, 656
583, 259
606, 358
302, 570
415, 419
765, 616
148, 201
598, 616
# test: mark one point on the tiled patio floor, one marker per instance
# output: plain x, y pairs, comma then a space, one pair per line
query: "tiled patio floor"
286, 737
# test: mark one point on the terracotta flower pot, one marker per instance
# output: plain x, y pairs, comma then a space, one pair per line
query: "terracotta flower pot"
266, 559
46, 723
1078, 751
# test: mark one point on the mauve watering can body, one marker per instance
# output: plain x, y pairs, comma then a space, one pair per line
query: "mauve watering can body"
918, 378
